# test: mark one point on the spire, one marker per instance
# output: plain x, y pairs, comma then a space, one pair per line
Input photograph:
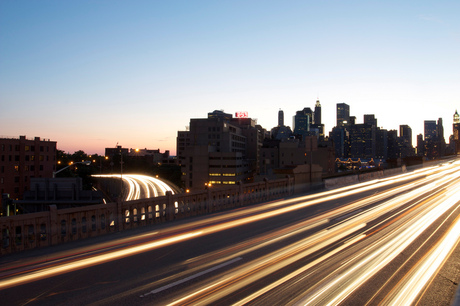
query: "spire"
456, 117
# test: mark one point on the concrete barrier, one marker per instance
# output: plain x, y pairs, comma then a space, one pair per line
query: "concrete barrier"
56, 226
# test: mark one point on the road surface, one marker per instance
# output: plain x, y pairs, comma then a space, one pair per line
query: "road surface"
378, 242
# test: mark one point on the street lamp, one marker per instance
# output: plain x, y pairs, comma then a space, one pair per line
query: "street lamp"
86, 162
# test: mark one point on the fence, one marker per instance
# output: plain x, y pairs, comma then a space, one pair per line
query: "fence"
56, 226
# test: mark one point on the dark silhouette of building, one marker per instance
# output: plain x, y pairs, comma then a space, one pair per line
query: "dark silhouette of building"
434, 142
456, 132
393, 145
420, 145
339, 137
317, 120
219, 150
343, 114
370, 120
281, 131
302, 122
23, 159
280, 118
317, 127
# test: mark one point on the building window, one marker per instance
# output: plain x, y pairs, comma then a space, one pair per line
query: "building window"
41, 167
27, 148
16, 179
16, 168
16, 158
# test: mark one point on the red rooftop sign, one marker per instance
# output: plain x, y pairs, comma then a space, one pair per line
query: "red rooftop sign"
241, 114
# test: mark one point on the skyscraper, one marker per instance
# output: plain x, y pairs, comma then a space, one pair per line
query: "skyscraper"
405, 141
456, 131
302, 122
405, 132
317, 119
280, 118
343, 113
370, 119
430, 130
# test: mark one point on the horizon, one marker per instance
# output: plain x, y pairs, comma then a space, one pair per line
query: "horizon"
89, 75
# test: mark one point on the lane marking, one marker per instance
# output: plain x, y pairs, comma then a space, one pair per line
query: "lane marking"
192, 277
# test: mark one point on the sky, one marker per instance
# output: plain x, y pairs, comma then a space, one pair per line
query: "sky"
94, 74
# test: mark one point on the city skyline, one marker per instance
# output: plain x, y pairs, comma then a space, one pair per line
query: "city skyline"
90, 75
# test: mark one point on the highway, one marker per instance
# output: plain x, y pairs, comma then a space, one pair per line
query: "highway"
139, 186
377, 242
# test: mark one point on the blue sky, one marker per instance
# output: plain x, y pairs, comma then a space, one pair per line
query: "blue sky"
90, 74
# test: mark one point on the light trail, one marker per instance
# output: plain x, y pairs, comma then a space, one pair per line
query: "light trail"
135, 180
381, 253
428, 191
87, 262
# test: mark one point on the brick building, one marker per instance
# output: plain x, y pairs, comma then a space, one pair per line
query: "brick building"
22, 159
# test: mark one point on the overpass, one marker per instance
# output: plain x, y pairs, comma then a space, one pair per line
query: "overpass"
378, 241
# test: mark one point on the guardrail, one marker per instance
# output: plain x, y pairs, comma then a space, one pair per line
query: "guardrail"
56, 226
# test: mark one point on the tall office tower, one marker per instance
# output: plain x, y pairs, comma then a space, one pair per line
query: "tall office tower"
393, 148
434, 145
317, 119
420, 145
405, 132
456, 131
381, 144
339, 136
440, 130
405, 141
370, 119
343, 113
430, 130
362, 140
280, 118
302, 122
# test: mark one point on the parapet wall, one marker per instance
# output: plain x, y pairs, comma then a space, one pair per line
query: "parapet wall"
356, 178
35, 230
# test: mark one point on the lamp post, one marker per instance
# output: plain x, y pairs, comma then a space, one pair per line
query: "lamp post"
86, 162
